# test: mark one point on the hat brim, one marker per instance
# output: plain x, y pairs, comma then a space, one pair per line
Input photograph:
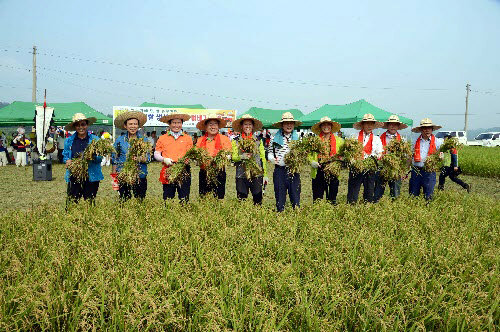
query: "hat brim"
419, 128
401, 125
123, 117
257, 124
167, 118
357, 125
316, 128
71, 126
202, 124
279, 124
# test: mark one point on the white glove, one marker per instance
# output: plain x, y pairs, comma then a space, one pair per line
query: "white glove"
265, 181
229, 157
314, 164
244, 156
271, 159
168, 161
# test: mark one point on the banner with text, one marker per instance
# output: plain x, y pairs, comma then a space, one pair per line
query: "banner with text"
155, 113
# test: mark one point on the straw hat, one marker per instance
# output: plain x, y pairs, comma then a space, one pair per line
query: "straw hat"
425, 123
257, 124
202, 124
167, 118
286, 117
77, 118
316, 128
367, 118
123, 117
394, 119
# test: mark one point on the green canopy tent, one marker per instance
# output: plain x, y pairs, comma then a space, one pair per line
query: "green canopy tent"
21, 113
195, 106
348, 114
269, 116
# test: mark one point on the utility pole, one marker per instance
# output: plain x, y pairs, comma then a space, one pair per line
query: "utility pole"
467, 87
33, 94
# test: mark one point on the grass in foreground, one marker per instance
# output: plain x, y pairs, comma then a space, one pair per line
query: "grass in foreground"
228, 265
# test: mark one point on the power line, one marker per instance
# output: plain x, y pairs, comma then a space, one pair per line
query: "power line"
237, 76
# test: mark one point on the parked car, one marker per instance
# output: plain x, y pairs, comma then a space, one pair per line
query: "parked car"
461, 135
486, 139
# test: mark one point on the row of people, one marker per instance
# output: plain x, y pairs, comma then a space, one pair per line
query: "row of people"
174, 144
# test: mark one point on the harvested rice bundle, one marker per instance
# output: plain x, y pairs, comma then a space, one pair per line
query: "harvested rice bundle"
295, 158
433, 163
130, 172
331, 167
299, 151
252, 169
217, 164
352, 154
79, 169
394, 164
138, 148
399, 148
370, 164
137, 151
314, 144
450, 144
101, 147
177, 173
393, 167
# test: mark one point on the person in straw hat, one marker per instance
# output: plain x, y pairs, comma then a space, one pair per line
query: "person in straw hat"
169, 148
74, 146
325, 128
279, 147
372, 148
392, 125
213, 142
425, 145
131, 121
247, 126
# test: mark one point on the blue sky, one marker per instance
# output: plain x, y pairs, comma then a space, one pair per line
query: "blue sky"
411, 58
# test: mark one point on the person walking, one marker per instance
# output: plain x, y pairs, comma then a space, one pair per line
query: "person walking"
372, 148
450, 169
247, 126
170, 147
425, 145
321, 183
131, 121
392, 125
284, 182
74, 146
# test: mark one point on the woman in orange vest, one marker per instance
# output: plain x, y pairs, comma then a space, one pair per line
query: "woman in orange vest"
213, 142
392, 125
170, 147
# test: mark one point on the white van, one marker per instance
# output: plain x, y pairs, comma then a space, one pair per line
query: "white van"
487, 139
461, 135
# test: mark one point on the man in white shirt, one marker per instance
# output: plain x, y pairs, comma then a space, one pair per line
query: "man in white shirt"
392, 125
282, 179
372, 148
425, 145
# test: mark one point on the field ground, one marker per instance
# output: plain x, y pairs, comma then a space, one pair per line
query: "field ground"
20, 191
219, 265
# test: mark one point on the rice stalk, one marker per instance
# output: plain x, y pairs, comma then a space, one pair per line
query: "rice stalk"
252, 169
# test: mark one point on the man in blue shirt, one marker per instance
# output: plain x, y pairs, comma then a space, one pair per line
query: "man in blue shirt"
130, 121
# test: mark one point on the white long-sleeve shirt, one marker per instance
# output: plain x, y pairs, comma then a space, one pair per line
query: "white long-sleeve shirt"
377, 147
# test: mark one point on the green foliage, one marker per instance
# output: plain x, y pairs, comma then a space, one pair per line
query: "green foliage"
79, 165
395, 163
177, 173
300, 149
137, 151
